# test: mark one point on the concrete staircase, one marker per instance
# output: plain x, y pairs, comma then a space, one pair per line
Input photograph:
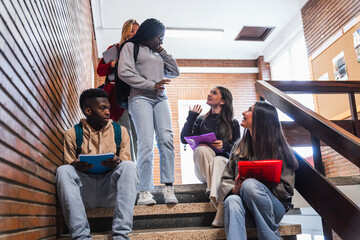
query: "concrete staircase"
190, 219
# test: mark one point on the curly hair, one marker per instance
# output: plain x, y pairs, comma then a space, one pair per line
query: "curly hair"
91, 94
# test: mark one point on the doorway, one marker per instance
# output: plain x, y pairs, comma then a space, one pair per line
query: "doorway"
186, 153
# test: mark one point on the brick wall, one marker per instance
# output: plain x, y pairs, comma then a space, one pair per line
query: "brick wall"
197, 86
336, 165
194, 86
323, 18
97, 79
264, 69
46, 61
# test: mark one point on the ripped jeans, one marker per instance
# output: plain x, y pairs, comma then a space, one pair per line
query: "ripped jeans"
149, 115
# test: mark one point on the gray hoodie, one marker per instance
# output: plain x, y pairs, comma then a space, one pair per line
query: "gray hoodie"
150, 68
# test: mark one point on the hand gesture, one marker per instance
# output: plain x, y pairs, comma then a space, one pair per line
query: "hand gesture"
111, 162
196, 108
81, 166
217, 144
113, 63
160, 85
159, 49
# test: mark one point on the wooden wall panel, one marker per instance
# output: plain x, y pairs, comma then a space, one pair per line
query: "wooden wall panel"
46, 61
323, 18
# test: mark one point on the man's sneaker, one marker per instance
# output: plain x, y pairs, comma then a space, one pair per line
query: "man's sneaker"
169, 195
146, 198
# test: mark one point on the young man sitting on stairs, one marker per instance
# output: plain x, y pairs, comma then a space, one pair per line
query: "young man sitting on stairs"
78, 189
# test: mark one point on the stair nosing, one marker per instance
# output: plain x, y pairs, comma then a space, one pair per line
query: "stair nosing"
158, 209
165, 233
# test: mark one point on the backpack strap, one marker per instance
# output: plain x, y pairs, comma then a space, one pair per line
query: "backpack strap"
117, 131
79, 137
136, 51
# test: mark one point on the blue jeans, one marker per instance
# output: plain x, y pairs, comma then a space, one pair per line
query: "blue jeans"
149, 115
126, 121
256, 204
79, 191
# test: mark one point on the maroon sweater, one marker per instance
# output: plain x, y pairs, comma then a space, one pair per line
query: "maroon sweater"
104, 69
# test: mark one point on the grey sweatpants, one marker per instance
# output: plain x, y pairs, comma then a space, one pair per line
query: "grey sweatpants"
79, 191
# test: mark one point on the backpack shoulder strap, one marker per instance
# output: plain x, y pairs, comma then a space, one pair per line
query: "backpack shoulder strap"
117, 131
136, 51
79, 137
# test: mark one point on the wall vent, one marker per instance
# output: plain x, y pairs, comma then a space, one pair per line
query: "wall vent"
254, 33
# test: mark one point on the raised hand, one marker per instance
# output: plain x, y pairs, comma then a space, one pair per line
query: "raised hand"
196, 108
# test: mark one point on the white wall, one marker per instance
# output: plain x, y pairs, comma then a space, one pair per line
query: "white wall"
292, 29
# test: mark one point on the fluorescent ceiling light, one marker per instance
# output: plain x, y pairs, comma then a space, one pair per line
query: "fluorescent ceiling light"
194, 33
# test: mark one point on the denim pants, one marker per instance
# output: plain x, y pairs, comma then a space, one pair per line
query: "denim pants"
256, 204
79, 191
149, 115
126, 121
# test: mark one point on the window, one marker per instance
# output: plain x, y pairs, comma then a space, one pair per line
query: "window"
291, 64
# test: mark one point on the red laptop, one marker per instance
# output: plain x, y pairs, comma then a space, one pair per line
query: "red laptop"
262, 170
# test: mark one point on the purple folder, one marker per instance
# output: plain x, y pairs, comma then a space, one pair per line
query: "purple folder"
194, 141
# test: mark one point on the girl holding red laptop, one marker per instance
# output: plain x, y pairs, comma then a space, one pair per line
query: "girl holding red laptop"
247, 200
209, 164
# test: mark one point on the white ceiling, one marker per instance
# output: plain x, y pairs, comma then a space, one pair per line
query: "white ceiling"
229, 15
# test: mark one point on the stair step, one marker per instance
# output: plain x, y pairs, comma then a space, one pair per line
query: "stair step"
345, 180
287, 231
157, 216
179, 233
185, 193
191, 217
159, 209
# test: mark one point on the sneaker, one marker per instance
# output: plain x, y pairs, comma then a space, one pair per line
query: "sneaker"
146, 198
169, 195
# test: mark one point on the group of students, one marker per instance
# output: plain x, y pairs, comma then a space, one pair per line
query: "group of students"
240, 202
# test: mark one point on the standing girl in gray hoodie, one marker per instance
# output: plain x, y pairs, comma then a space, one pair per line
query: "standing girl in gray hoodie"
149, 106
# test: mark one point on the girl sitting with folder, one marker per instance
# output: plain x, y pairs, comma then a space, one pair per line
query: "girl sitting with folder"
209, 164
247, 200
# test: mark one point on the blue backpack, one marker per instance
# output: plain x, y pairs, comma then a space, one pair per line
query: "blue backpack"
79, 137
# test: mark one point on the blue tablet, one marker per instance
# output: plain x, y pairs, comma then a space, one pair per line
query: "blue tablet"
95, 160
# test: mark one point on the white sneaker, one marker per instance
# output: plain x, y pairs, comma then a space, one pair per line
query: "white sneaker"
146, 198
169, 195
